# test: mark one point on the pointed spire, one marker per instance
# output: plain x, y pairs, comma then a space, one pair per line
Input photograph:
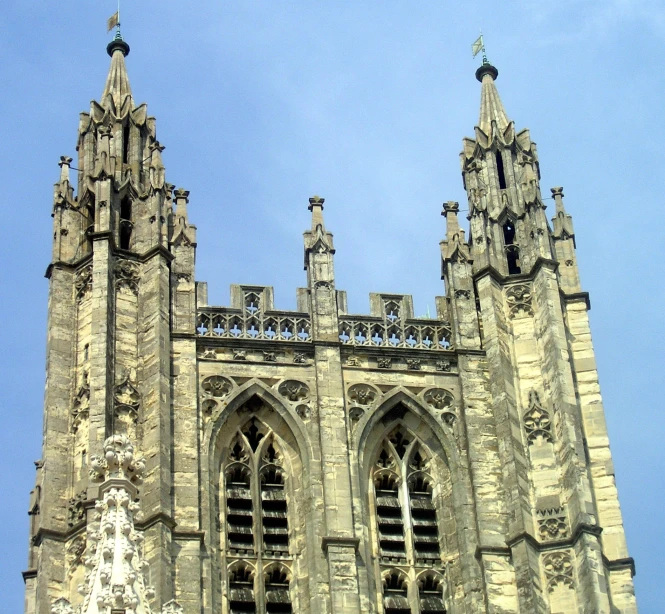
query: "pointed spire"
491, 107
117, 83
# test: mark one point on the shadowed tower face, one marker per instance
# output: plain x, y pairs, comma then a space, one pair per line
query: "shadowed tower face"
251, 459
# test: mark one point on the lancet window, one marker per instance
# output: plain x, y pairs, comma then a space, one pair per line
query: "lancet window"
408, 540
256, 522
512, 248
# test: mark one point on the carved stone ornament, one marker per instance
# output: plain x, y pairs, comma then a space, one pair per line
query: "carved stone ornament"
294, 390
353, 361
558, 570
537, 423
304, 411
239, 354
216, 386
172, 607
299, 358
76, 509
444, 365
83, 282
413, 364
81, 405
519, 300
116, 569
466, 294
75, 551
439, 398
127, 276
384, 363
554, 527
362, 394
118, 461
62, 606
269, 356
126, 394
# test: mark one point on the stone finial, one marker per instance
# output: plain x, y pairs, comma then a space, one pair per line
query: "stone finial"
64, 164
316, 201
181, 200
450, 211
557, 194
118, 461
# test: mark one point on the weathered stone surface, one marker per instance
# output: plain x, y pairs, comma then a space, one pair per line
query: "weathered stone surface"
315, 460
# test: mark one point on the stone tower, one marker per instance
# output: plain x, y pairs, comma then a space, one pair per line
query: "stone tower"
213, 460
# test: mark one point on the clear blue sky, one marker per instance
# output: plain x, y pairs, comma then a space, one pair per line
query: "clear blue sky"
263, 103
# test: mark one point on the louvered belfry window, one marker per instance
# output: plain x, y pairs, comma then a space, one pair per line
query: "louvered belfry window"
256, 522
407, 529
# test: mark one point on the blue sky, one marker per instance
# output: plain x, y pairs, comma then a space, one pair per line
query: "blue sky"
262, 104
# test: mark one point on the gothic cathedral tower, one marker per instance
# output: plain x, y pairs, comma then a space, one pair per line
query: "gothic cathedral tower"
218, 460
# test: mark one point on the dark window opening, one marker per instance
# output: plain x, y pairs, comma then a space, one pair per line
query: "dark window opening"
125, 144
500, 171
125, 223
512, 249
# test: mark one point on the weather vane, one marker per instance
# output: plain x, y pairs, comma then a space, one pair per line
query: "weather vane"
479, 46
114, 22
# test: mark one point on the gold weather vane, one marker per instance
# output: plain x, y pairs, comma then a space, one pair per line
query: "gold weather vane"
479, 46
114, 22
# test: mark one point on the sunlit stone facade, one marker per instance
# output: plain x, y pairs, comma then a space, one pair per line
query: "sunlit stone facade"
213, 460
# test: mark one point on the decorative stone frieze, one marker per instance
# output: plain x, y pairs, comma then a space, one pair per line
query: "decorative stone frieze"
216, 386
362, 394
294, 390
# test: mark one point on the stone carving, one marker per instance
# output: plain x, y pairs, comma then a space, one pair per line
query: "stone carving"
208, 406
269, 356
294, 390
519, 300
115, 577
299, 358
352, 361
127, 276
75, 552
466, 294
81, 406
439, 398
216, 386
413, 364
83, 282
384, 363
537, 421
355, 413
126, 394
62, 606
118, 461
172, 607
558, 570
304, 411
554, 527
444, 365
448, 418
76, 509
362, 394
239, 354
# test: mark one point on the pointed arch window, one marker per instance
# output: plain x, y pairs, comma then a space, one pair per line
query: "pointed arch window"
407, 528
126, 225
256, 521
500, 170
511, 247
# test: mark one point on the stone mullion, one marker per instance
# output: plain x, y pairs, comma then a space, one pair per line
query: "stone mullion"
514, 468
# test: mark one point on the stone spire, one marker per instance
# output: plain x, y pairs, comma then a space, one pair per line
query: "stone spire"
491, 107
117, 86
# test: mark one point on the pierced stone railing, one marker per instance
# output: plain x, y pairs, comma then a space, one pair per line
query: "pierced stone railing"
228, 323
411, 334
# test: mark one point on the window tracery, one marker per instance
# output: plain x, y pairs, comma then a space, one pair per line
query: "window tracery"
256, 521
407, 526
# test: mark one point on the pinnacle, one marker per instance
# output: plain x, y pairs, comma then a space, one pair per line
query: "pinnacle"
491, 107
117, 83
